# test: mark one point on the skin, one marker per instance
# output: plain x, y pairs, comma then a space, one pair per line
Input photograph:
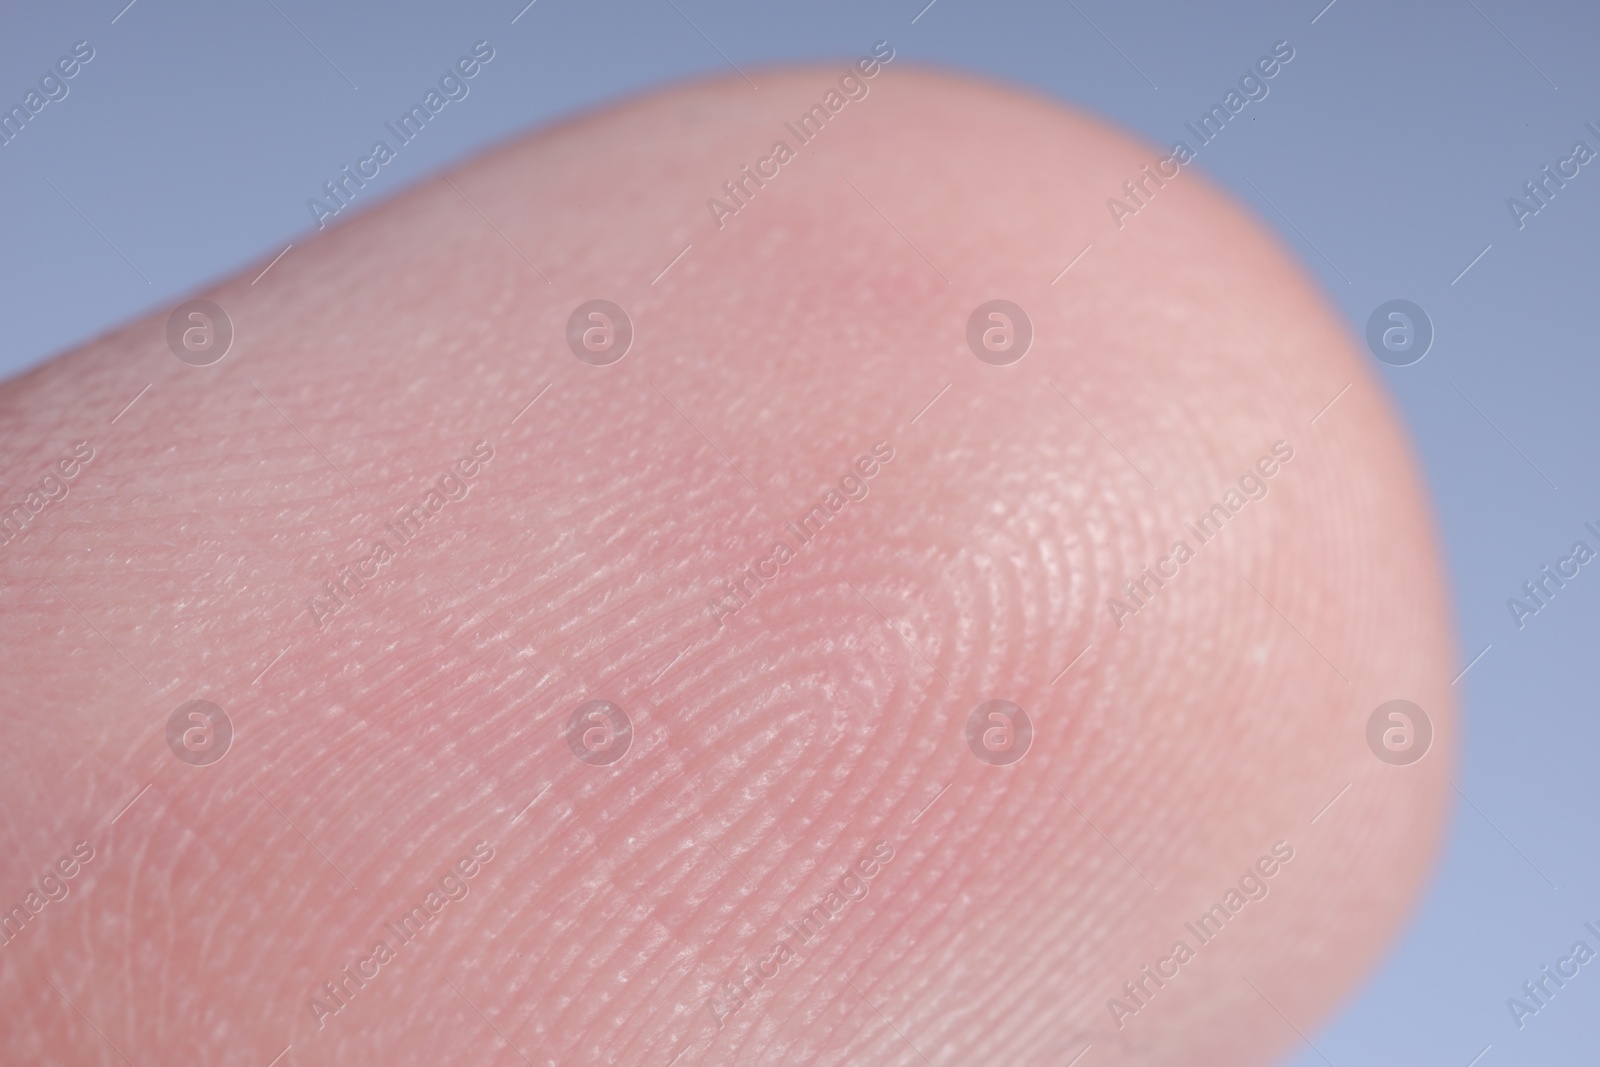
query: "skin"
773, 747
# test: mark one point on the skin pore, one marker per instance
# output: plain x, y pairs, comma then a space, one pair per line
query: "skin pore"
798, 799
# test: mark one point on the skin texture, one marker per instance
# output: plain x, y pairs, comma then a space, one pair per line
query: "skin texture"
773, 747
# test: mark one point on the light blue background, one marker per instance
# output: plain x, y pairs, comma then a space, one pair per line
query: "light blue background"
195, 136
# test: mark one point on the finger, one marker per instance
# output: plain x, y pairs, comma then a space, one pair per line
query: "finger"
415, 523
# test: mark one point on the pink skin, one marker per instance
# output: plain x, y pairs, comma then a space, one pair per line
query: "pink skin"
773, 747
